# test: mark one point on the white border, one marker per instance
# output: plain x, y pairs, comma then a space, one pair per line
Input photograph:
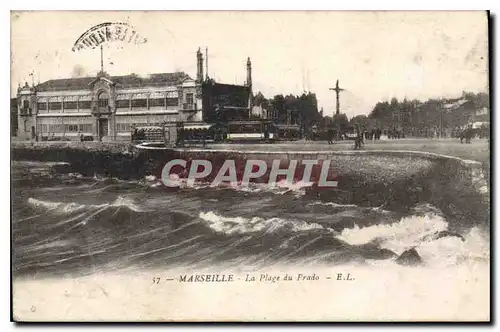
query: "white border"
187, 5
255, 5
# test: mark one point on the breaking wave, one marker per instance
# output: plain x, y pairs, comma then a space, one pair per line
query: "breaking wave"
241, 225
398, 236
428, 232
71, 207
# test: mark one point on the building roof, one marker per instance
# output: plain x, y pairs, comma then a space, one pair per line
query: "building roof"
126, 81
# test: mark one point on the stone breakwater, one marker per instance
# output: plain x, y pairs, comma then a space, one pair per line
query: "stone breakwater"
111, 159
125, 160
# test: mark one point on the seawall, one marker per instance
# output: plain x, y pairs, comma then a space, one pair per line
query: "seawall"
88, 158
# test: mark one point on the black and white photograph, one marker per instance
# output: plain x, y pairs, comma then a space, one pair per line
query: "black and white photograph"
250, 166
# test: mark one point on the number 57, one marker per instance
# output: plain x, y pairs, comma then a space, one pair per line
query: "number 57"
156, 280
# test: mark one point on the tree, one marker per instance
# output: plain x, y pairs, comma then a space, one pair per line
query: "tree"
260, 100
423, 118
277, 105
360, 120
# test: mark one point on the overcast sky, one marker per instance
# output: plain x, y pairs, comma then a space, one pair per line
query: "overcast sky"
375, 55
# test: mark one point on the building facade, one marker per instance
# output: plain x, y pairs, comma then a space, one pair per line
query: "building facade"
107, 108
13, 116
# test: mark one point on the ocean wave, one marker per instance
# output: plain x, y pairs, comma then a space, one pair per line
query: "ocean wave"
298, 189
333, 204
378, 209
57, 244
72, 207
32, 163
399, 236
479, 182
452, 250
280, 187
427, 232
127, 202
242, 225
58, 207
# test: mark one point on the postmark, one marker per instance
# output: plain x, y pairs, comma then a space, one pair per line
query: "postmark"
108, 32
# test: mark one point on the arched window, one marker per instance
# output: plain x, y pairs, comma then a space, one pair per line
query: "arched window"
103, 99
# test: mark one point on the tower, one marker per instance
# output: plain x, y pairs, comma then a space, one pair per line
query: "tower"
206, 63
249, 73
26, 100
249, 84
199, 66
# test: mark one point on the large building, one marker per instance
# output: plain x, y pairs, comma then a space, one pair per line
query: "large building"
106, 108
13, 116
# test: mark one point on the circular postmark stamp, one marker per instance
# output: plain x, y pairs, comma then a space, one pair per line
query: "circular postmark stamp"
108, 32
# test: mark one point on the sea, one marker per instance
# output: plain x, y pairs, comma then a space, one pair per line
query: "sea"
74, 224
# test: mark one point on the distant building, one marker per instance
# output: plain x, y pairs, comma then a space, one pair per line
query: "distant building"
108, 107
463, 113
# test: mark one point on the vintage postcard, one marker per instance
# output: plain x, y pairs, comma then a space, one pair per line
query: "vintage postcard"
240, 166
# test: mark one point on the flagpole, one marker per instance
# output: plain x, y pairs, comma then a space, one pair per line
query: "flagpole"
102, 61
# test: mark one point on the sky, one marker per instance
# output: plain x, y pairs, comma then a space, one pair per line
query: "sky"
375, 55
